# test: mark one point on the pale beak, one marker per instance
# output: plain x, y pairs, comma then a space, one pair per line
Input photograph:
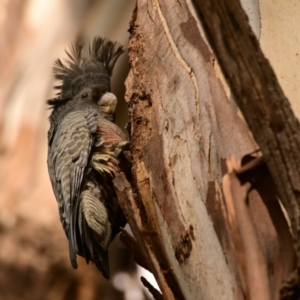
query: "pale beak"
108, 103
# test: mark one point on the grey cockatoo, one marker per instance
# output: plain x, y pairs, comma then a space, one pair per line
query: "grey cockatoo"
85, 149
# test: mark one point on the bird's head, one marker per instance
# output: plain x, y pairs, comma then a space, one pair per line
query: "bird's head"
101, 97
85, 77
88, 66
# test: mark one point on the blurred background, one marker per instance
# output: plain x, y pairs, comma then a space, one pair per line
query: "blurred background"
34, 260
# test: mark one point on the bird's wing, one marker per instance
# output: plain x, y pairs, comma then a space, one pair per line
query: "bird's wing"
110, 132
67, 159
56, 184
115, 146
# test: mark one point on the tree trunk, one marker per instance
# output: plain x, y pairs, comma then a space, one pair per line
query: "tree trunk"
183, 127
264, 106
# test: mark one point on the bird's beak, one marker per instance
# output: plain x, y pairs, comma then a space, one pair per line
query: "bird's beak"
108, 103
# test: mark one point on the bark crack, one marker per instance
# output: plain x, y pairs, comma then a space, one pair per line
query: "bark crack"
177, 54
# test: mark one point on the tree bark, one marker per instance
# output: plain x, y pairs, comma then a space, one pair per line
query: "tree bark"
257, 92
183, 127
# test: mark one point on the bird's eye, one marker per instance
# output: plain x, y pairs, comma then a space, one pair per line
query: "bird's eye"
84, 95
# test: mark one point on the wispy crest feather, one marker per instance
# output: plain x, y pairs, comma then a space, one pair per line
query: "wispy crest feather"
60, 70
106, 52
83, 67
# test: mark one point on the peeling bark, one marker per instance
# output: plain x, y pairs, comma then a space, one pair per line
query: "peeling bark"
183, 127
246, 183
266, 109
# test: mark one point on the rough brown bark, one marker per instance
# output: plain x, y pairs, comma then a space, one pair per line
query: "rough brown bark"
183, 128
256, 90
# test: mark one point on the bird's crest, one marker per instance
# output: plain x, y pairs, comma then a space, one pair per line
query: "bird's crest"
86, 66
106, 52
